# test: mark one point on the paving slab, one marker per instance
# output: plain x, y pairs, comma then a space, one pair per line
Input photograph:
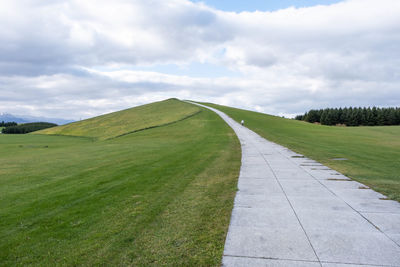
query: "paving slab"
339, 184
267, 201
340, 221
374, 205
294, 211
260, 190
325, 203
326, 175
297, 184
260, 172
357, 193
395, 238
389, 223
263, 182
290, 174
280, 165
355, 248
267, 242
346, 265
254, 160
306, 188
258, 262
262, 217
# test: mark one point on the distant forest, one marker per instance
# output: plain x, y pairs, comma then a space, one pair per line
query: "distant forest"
27, 127
353, 116
6, 124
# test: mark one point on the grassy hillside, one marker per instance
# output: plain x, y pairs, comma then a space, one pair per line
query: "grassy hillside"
162, 196
127, 121
373, 153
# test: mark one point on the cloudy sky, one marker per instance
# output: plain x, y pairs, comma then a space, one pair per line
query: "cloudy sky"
76, 59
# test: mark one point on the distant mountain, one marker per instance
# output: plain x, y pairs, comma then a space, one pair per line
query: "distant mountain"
9, 118
6, 117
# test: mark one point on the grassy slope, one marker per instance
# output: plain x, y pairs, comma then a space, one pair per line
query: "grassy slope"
126, 121
162, 196
373, 153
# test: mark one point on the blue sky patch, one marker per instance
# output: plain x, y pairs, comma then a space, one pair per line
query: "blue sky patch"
263, 5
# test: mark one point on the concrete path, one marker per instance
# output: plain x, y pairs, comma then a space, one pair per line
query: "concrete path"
293, 211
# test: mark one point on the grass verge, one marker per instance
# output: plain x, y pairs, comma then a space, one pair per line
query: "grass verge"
373, 153
162, 196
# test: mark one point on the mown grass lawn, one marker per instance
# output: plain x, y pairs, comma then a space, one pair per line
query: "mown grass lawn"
373, 153
161, 196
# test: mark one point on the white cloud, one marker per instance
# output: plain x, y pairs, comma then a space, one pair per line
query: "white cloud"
291, 60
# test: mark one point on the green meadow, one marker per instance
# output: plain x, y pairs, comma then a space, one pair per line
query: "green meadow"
154, 185
80, 195
373, 153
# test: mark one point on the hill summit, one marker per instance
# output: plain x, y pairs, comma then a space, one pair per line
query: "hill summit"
127, 121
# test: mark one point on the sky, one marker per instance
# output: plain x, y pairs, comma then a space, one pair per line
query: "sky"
77, 59
261, 5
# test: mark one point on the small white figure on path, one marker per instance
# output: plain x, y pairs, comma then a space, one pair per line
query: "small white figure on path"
242, 122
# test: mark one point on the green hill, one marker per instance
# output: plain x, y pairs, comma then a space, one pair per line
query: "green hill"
156, 197
127, 121
373, 153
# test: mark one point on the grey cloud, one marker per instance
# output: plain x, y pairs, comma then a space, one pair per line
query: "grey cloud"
67, 33
290, 60
76, 97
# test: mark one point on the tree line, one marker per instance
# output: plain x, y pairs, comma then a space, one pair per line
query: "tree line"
6, 124
353, 116
27, 127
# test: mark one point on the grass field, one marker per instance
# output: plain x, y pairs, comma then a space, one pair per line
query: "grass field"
127, 121
373, 153
161, 196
